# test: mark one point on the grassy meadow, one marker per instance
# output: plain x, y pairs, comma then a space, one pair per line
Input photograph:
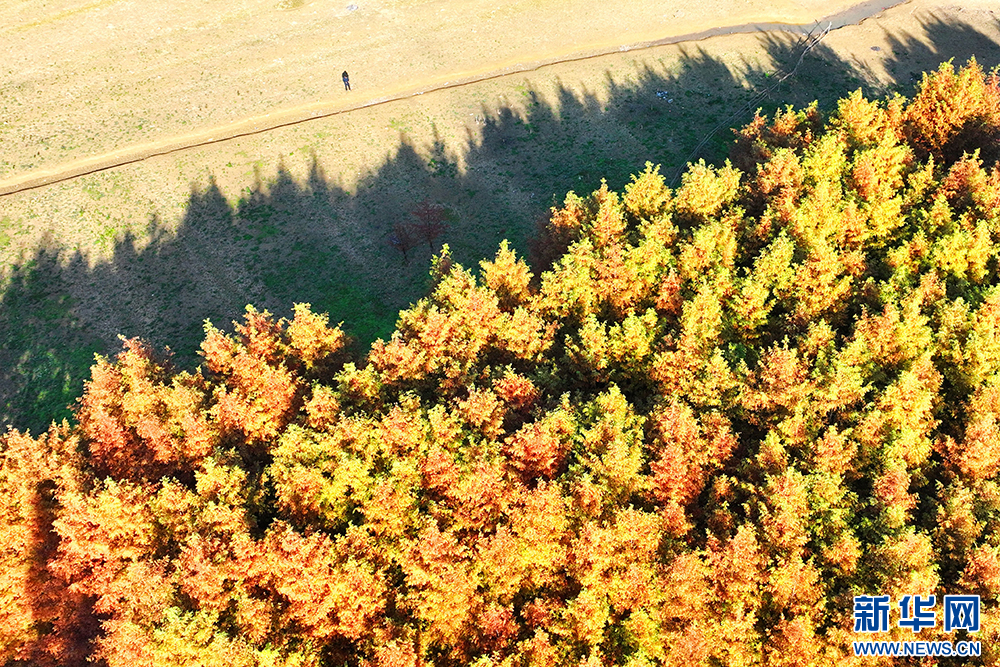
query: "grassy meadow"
306, 213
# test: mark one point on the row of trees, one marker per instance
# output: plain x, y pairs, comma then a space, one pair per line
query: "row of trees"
715, 416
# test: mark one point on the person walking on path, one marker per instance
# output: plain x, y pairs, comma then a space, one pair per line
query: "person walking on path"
347, 80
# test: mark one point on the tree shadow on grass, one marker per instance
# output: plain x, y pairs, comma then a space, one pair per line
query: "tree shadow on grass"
289, 240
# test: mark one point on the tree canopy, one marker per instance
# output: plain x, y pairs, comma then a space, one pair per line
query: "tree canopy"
705, 420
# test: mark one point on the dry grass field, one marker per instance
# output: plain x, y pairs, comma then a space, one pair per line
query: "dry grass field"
305, 212
83, 78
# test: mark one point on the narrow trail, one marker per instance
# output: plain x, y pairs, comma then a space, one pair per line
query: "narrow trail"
325, 109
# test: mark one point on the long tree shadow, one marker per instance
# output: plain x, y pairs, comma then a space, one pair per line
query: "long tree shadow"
288, 240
